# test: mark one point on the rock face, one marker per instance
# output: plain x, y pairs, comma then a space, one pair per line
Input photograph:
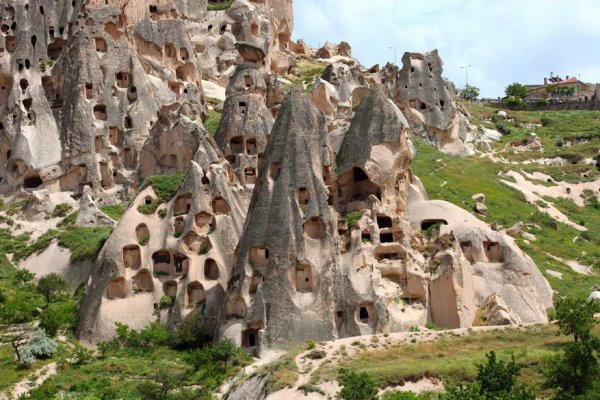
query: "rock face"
428, 101
180, 250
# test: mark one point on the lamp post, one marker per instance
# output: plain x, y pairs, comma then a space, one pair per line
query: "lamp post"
393, 48
466, 68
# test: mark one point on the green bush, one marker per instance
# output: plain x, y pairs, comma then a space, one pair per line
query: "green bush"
113, 211
542, 103
59, 317
352, 218
61, 210
514, 103
356, 386
165, 302
40, 346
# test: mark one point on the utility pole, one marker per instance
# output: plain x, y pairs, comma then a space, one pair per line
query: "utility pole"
466, 68
395, 59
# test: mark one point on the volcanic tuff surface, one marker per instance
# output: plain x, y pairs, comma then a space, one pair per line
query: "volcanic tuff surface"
300, 220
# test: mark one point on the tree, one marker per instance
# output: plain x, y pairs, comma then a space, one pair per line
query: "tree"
497, 377
50, 285
466, 392
59, 316
224, 351
469, 93
356, 386
560, 91
515, 90
574, 373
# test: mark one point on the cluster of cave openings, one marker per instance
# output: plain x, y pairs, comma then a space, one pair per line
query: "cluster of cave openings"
250, 175
235, 308
170, 50
467, 249
303, 196
314, 228
203, 221
259, 255
122, 79
354, 189
493, 251
183, 203
211, 270
195, 293
117, 288
220, 206
304, 278
32, 181
365, 313
100, 112
132, 256
142, 233
143, 281
250, 338
170, 288
274, 170
100, 44
162, 263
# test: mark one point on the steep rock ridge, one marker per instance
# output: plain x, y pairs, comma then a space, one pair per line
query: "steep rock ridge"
181, 250
104, 76
428, 101
281, 286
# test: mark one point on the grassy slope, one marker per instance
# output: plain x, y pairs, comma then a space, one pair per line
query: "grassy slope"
454, 358
464, 177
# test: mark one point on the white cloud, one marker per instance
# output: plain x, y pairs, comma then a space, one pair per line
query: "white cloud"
503, 41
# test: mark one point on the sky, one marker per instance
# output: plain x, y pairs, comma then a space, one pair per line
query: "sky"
503, 41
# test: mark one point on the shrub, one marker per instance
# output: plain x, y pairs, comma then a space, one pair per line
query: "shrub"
59, 316
317, 354
356, 386
81, 355
51, 285
165, 302
353, 218
467, 392
61, 210
514, 103
515, 90
542, 103
40, 346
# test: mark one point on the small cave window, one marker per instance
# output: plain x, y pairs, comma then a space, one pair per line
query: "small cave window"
132, 257
32, 182
170, 50
196, 293
303, 196
248, 81
100, 44
152, 8
250, 175
170, 288
303, 278
467, 249
117, 288
250, 338
203, 221
211, 270
274, 170
89, 92
179, 226
235, 308
183, 203
122, 79
23, 83
364, 315
220, 206
386, 237
428, 224
251, 148
143, 281
259, 256
236, 144
314, 228
181, 263
162, 262
142, 233
365, 236
383, 221
493, 251
242, 107
128, 122
100, 112
359, 175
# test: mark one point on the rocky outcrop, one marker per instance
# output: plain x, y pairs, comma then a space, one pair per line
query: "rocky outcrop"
427, 100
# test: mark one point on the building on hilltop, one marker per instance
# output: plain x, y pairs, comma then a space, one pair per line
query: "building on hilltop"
570, 89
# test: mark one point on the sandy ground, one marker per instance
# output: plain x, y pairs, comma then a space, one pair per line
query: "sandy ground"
338, 350
574, 265
533, 193
31, 382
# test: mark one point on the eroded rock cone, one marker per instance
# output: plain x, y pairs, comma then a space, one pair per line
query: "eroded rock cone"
178, 248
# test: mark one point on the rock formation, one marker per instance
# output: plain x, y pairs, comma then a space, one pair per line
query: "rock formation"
428, 101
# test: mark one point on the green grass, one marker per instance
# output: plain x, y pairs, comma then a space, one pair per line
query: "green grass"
456, 179
220, 7
309, 70
165, 187
212, 122
453, 358
113, 211
84, 243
